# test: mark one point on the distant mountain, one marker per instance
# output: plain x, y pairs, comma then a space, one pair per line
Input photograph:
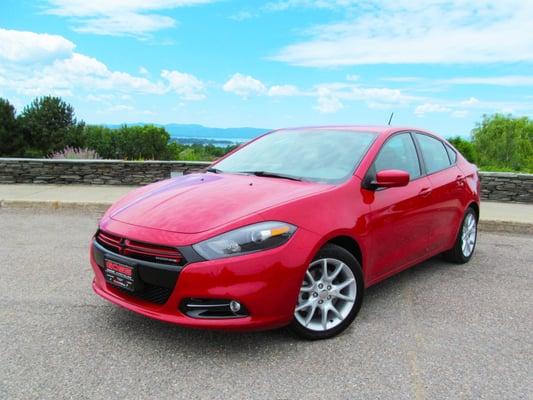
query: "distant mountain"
204, 132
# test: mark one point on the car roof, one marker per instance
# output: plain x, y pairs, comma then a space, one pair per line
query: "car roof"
382, 129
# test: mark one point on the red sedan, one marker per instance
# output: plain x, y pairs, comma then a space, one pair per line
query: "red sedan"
289, 229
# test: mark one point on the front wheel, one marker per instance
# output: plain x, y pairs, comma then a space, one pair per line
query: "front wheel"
330, 296
464, 246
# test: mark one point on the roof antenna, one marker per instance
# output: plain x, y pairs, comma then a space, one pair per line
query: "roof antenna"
390, 119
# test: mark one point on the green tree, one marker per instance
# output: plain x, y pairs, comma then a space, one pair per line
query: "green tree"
49, 124
465, 147
11, 139
142, 142
503, 141
101, 139
130, 142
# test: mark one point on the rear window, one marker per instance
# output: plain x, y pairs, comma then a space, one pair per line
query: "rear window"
451, 153
434, 153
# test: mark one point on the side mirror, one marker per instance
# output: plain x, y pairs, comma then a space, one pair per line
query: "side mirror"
389, 178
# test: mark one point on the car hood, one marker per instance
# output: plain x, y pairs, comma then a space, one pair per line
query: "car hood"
200, 202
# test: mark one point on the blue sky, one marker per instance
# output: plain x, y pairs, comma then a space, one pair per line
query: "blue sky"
437, 64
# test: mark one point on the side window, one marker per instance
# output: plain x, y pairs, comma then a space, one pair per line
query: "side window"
451, 153
434, 153
398, 152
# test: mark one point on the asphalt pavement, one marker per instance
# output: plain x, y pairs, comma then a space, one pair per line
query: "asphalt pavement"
436, 331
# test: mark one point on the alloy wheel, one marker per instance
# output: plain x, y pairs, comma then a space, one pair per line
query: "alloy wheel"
469, 233
327, 295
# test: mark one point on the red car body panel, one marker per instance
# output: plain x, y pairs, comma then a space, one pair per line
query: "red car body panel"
392, 229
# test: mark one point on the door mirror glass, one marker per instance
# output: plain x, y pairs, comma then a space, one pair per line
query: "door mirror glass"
391, 178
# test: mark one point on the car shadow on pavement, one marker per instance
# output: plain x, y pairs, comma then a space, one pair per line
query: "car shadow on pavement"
173, 338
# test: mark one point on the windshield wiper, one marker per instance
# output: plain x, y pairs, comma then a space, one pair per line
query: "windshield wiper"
272, 175
214, 170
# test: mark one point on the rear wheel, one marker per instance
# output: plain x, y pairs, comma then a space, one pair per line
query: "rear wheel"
465, 243
330, 296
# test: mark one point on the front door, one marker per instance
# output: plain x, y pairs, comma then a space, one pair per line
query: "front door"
398, 216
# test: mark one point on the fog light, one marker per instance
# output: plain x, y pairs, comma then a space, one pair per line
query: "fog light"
234, 306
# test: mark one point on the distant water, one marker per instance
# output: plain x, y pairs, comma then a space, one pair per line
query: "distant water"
194, 133
215, 141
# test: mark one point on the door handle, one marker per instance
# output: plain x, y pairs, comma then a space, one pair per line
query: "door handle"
424, 192
460, 179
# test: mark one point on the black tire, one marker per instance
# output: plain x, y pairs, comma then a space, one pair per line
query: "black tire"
455, 254
335, 252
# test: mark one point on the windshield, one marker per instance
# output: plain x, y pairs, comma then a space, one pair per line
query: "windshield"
324, 155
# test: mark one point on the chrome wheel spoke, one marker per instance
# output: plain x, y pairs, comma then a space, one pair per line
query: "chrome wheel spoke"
341, 296
342, 285
336, 272
303, 306
336, 312
311, 314
324, 318
325, 269
310, 277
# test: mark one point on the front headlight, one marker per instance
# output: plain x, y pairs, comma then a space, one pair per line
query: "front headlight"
248, 239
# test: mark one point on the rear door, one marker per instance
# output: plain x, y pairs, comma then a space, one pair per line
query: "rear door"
447, 184
398, 216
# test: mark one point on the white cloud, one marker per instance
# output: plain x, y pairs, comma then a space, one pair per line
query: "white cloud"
67, 73
430, 108
187, 86
508, 80
459, 113
352, 77
330, 96
283, 90
243, 15
327, 101
143, 71
282, 5
138, 25
407, 31
119, 17
401, 79
470, 102
23, 46
64, 76
244, 85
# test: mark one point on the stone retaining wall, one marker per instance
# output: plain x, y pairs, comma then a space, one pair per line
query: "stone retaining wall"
92, 172
498, 186
505, 186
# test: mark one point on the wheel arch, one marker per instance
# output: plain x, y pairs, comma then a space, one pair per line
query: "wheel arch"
475, 207
350, 244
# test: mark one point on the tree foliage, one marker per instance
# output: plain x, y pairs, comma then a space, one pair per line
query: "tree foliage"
11, 140
128, 142
503, 141
197, 152
49, 124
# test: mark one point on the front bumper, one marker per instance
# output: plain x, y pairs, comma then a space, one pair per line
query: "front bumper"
267, 283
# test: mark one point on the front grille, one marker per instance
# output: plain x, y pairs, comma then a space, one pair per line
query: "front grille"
152, 293
155, 278
140, 250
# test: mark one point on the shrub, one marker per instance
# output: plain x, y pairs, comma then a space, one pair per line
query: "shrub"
74, 153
